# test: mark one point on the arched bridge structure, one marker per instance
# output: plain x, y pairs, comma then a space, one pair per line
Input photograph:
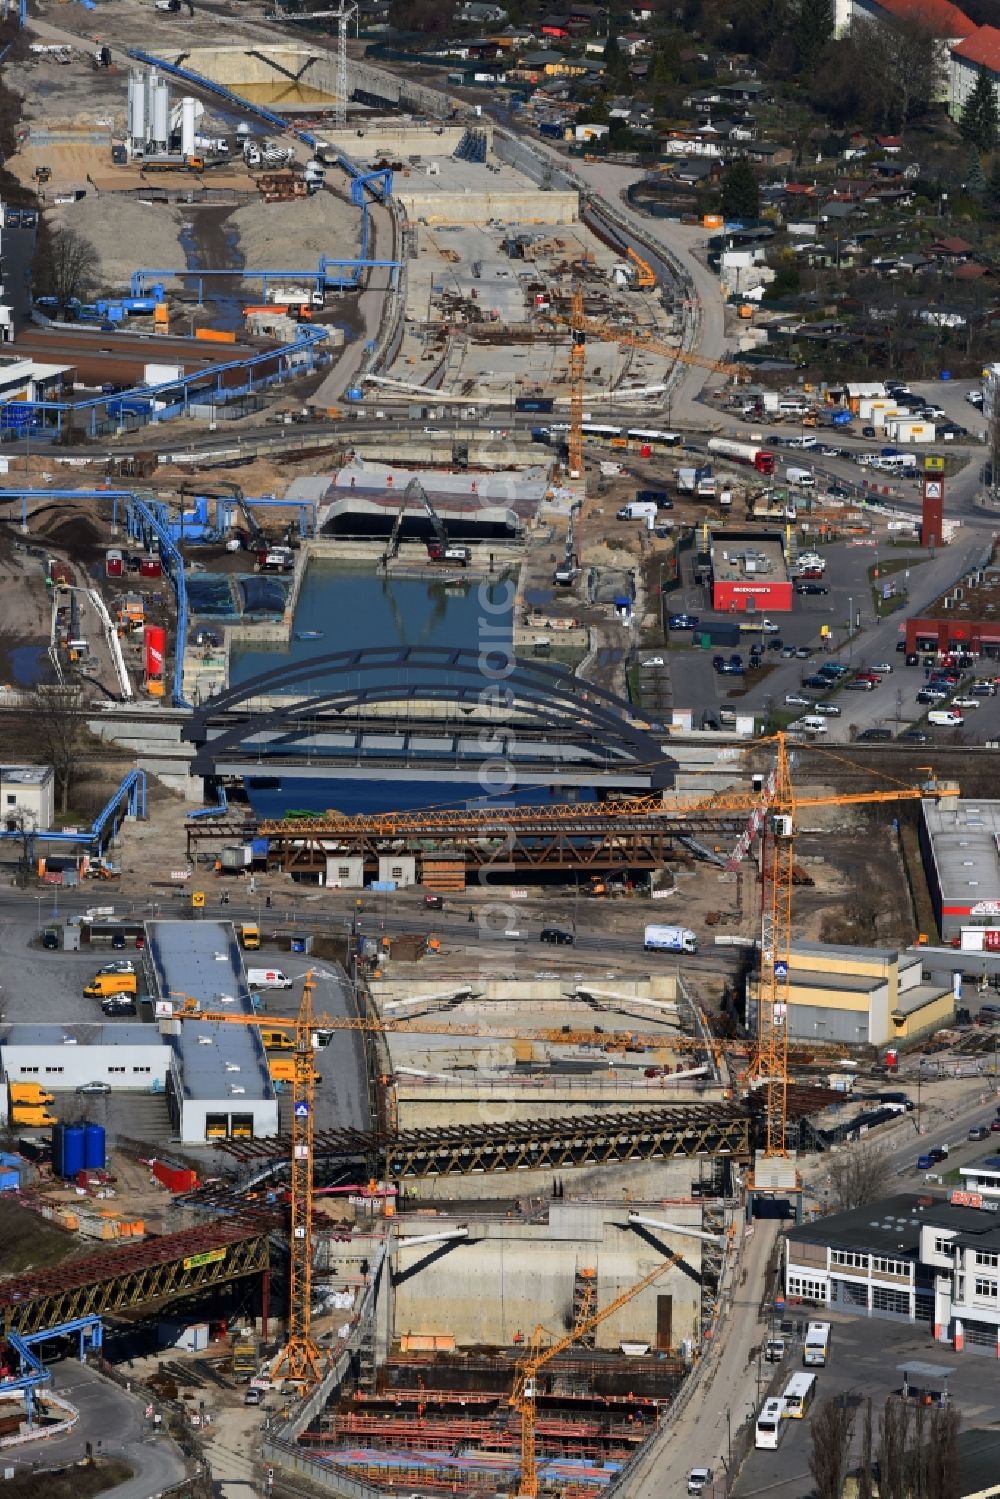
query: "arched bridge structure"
422, 706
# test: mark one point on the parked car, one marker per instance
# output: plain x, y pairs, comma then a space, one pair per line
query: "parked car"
827, 710
698, 1480
817, 681
995, 1127
901, 646
804, 652
121, 965
682, 621
861, 684
965, 702
788, 651
930, 695
882, 668
874, 736
557, 936
94, 1088
652, 661
806, 587
775, 644
796, 700
938, 1153
979, 1132
914, 736
924, 1163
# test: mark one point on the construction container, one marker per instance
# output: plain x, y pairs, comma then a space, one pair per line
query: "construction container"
175, 1178
114, 563
237, 856
94, 1152
215, 335
151, 567
68, 1150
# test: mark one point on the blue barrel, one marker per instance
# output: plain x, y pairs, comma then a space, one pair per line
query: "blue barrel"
73, 1144
93, 1147
58, 1148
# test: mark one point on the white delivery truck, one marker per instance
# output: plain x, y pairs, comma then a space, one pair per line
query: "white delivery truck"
268, 978
638, 510
670, 939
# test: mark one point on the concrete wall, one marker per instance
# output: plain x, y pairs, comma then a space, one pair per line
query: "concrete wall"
248, 64
527, 207
508, 1277
372, 139
68, 1067
649, 1179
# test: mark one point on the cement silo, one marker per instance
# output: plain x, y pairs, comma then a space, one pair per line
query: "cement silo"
158, 113
189, 115
137, 110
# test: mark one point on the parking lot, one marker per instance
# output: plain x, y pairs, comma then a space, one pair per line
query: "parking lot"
45, 987
863, 1358
890, 704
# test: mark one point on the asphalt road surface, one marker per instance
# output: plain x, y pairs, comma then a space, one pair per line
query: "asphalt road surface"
115, 1424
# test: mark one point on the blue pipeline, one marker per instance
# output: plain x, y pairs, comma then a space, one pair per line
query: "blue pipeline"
324, 275
221, 806
132, 791
33, 1371
379, 183
145, 518
145, 394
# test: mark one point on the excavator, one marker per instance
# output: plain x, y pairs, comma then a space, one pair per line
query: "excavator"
439, 547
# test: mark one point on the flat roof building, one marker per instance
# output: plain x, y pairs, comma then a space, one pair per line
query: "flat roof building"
749, 573
909, 1258
27, 790
960, 843
862, 996
63, 1058
219, 1082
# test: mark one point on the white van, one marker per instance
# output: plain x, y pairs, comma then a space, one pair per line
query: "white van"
945, 717
800, 476
805, 441
813, 724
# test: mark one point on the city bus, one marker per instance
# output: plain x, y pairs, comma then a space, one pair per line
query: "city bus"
770, 1426
798, 1395
816, 1347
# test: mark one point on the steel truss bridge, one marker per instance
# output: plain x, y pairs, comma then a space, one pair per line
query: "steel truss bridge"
119, 1279
300, 714
558, 1144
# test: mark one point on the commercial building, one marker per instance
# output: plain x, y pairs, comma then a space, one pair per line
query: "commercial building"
65, 1057
27, 796
966, 617
960, 844
862, 996
749, 574
983, 1179
910, 1259
218, 1083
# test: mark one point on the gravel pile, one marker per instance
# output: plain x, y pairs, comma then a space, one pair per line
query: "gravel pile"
125, 233
296, 234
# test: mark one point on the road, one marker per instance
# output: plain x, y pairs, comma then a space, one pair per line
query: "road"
115, 1424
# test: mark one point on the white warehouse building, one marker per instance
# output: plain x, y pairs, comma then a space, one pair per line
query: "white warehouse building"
65, 1057
219, 1081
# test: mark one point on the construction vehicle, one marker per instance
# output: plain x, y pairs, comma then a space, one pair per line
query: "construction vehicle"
440, 549
42, 175
645, 279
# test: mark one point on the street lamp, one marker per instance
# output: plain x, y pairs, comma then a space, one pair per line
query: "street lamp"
850, 627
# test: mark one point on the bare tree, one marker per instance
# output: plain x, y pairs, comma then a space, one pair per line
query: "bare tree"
893, 1431
59, 727
901, 64
67, 265
858, 1174
23, 824
831, 1428
865, 1489
942, 1457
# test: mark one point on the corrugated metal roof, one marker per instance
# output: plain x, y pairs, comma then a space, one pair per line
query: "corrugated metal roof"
202, 959
95, 1034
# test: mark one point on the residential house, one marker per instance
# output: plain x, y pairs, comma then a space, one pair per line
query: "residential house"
975, 54
476, 13
746, 91
766, 153
950, 249
557, 27
546, 62
634, 42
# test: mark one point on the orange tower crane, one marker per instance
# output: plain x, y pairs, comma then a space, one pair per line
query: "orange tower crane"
772, 810
525, 1390
581, 327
